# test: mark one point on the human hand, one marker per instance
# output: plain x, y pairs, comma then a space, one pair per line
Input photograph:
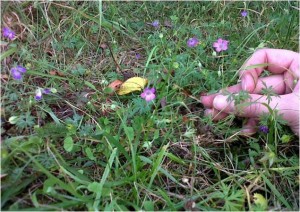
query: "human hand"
284, 65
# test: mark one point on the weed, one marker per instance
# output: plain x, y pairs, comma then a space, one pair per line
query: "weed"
69, 143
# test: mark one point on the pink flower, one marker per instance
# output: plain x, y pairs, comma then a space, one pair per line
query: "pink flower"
192, 42
221, 45
148, 94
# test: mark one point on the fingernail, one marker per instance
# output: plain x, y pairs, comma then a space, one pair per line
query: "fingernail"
245, 82
220, 102
247, 131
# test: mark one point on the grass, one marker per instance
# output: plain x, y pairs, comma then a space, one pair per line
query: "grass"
81, 148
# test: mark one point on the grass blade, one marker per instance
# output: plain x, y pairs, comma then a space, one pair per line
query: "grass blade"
104, 177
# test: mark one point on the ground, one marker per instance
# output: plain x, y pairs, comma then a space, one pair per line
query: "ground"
81, 146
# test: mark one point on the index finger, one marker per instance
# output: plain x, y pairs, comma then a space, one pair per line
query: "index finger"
276, 61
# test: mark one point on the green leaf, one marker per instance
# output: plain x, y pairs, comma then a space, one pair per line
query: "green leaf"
148, 206
89, 153
286, 138
260, 200
13, 119
108, 90
103, 179
94, 187
68, 144
129, 133
8, 53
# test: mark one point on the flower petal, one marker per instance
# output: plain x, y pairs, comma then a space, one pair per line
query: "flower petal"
21, 69
218, 49
150, 97
16, 74
216, 44
152, 90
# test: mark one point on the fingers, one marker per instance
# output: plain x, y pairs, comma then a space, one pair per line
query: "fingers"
277, 61
215, 114
250, 109
250, 127
207, 101
276, 82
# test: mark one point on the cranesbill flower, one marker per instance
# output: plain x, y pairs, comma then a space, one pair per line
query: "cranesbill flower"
46, 91
17, 72
155, 23
21, 69
8, 33
263, 129
148, 94
38, 94
138, 56
192, 42
221, 45
244, 13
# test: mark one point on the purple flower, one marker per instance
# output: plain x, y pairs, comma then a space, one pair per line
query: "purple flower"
148, 94
155, 23
38, 94
263, 129
46, 91
221, 45
17, 72
40, 91
21, 69
192, 42
8, 33
138, 56
244, 13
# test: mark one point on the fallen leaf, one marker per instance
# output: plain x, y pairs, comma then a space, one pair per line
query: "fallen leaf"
132, 84
58, 73
185, 119
4, 76
115, 85
103, 46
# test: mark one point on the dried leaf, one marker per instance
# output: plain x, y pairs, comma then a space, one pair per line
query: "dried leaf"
56, 73
115, 85
132, 84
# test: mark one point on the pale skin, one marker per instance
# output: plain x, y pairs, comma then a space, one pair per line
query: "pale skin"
284, 68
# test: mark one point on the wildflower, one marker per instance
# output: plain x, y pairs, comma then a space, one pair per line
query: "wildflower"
221, 45
17, 72
264, 129
244, 13
192, 42
138, 56
38, 94
148, 94
8, 33
155, 23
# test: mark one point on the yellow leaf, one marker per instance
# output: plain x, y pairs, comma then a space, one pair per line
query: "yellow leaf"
132, 84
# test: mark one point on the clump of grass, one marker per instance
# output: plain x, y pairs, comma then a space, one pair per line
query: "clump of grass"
81, 148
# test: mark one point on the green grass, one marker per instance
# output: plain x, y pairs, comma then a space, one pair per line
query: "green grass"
82, 148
